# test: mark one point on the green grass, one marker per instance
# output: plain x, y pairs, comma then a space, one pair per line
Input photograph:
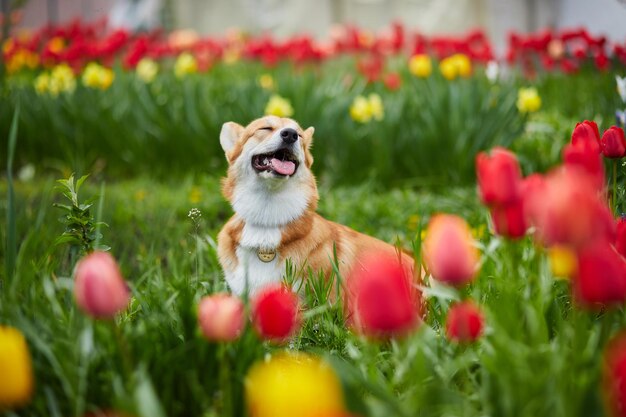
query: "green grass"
539, 356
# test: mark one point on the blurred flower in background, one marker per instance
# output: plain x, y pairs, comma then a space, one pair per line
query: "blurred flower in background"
16, 374
279, 106
266, 82
365, 109
97, 76
465, 322
147, 70
420, 65
563, 262
221, 317
454, 66
275, 313
185, 64
289, 385
528, 100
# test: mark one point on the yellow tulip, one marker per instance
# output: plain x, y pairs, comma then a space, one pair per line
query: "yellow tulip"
147, 70
97, 76
185, 64
364, 109
266, 81
420, 65
62, 80
42, 82
528, 100
563, 261
16, 381
278, 106
289, 385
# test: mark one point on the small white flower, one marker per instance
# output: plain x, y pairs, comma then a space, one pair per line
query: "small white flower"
194, 214
621, 87
492, 71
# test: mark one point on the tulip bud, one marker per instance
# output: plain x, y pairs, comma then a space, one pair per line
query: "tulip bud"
380, 297
465, 322
221, 317
499, 177
16, 373
449, 250
587, 134
613, 143
600, 280
99, 288
275, 313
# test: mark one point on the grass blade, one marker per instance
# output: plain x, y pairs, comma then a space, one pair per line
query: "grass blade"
11, 244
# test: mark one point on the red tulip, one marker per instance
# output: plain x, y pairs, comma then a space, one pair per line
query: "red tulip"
499, 177
465, 322
620, 236
614, 375
587, 133
275, 311
600, 279
380, 298
221, 317
583, 156
392, 81
509, 221
449, 250
613, 143
99, 288
567, 210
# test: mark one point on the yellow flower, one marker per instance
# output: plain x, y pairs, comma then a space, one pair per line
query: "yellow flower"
8, 45
289, 385
97, 76
140, 195
364, 109
562, 261
279, 106
61, 80
42, 82
16, 381
420, 65
413, 222
195, 195
457, 65
528, 100
185, 64
147, 70
266, 81
479, 232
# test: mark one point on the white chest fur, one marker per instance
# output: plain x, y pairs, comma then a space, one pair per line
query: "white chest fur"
250, 269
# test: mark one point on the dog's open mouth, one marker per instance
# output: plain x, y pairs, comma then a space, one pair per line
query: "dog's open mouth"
281, 162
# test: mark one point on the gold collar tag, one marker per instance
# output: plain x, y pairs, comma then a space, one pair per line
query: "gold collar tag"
266, 255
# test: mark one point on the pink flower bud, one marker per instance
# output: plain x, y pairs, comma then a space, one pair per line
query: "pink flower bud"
99, 288
449, 250
465, 322
221, 317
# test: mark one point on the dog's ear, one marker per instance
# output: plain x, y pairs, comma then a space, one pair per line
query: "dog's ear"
308, 135
308, 141
229, 135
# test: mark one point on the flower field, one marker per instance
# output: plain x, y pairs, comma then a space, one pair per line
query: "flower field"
501, 175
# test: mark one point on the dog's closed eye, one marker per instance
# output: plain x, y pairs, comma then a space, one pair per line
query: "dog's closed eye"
268, 128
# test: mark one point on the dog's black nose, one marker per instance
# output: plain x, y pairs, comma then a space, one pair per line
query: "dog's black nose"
289, 135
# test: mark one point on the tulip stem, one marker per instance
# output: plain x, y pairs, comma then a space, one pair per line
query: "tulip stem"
614, 185
227, 406
124, 350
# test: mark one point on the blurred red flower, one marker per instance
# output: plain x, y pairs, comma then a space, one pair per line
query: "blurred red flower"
600, 279
449, 250
392, 81
275, 313
380, 297
583, 156
567, 210
613, 143
465, 322
509, 221
499, 177
221, 317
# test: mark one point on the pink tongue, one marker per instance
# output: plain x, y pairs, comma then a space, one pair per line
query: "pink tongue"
283, 167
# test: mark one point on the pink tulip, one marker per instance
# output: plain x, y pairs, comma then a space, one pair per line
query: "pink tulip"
449, 250
99, 288
221, 317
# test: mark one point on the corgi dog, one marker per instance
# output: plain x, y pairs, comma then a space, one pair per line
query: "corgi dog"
273, 193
